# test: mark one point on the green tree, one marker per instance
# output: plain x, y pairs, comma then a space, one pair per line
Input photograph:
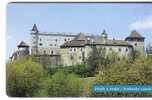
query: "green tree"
62, 84
101, 60
22, 77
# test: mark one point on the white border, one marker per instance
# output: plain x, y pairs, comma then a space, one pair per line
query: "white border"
3, 5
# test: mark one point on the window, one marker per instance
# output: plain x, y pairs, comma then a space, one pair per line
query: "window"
135, 44
119, 49
70, 49
33, 42
52, 52
110, 49
56, 40
81, 49
40, 39
44, 52
79, 57
118, 59
71, 57
126, 49
74, 49
55, 44
50, 44
40, 44
65, 40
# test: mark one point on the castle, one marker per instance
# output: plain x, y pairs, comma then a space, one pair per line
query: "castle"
69, 49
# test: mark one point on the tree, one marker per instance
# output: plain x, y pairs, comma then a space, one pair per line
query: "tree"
101, 60
22, 77
63, 84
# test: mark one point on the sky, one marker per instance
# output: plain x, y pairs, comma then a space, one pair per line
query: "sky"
118, 19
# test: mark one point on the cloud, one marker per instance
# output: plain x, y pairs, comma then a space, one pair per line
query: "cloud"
144, 23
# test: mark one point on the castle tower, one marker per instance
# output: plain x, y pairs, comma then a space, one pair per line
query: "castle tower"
23, 49
104, 34
137, 41
34, 44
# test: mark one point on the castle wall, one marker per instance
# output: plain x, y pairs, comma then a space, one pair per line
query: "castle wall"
138, 46
72, 56
79, 53
48, 43
121, 51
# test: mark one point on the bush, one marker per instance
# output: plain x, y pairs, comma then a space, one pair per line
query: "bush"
22, 77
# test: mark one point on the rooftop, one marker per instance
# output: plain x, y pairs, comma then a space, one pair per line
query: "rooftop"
23, 44
135, 34
110, 42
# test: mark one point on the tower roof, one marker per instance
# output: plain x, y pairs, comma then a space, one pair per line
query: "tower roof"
35, 28
104, 31
23, 44
80, 36
135, 34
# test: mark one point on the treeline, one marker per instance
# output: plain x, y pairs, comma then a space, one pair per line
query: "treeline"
27, 78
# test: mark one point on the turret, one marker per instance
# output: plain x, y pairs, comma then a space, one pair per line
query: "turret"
23, 49
23, 46
34, 40
104, 34
137, 41
34, 29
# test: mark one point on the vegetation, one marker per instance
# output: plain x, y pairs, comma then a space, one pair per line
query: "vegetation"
62, 84
139, 72
25, 77
22, 77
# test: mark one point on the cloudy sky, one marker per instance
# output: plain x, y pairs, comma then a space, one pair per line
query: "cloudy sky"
118, 19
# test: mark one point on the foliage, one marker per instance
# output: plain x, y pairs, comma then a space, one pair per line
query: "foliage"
138, 72
101, 60
80, 69
22, 77
62, 84
27, 78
